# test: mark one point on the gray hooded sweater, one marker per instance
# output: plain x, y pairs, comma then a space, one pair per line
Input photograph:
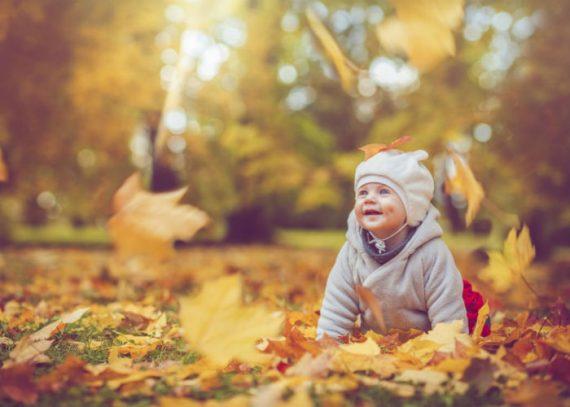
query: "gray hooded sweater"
417, 288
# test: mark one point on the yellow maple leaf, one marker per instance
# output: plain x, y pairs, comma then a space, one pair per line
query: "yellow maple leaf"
441, 338
147, 223
344, 67
369, 347
482, 315
422, 29
463, 182
217, 324
518, 253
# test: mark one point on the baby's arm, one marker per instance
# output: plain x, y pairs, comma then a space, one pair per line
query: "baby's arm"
340, 303
443, 287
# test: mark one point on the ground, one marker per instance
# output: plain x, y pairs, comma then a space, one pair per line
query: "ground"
124, 343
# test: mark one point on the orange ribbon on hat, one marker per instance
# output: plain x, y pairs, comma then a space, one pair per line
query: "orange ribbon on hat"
373, 149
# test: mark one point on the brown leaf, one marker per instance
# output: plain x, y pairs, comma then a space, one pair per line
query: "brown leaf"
16, 383
560, 368
534, 392
134, 320
70, 372
479, 373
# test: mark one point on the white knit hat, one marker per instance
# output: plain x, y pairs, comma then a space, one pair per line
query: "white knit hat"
404, 173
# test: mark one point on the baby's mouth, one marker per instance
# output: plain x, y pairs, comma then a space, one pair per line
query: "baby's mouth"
372, 212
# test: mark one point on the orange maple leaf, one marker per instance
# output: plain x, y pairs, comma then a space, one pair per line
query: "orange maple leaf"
373, 149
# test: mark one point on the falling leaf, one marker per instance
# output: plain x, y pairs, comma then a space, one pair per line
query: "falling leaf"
373, 149
422, 29
344, 67
372, 302
518, 253
218, 325
147, 223
463, 182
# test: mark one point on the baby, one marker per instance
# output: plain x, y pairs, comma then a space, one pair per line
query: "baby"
394, 248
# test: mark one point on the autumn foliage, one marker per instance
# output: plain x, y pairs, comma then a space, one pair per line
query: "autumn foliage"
239, 324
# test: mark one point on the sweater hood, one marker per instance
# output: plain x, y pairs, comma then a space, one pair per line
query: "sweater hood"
427, 230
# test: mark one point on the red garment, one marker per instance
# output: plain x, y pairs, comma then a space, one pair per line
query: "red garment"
473, 302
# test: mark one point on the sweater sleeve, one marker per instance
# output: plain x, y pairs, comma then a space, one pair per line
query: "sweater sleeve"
444, 288
340, 303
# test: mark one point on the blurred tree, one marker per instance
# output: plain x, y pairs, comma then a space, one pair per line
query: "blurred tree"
75, 77
533, 124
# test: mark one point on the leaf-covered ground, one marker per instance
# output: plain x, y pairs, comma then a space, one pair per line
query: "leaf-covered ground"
72, 333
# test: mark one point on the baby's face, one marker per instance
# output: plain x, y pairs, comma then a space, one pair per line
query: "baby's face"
379, 209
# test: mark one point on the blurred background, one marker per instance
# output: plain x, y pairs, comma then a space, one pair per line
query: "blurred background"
254, 119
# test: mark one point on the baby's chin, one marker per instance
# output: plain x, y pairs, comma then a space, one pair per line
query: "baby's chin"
369, 222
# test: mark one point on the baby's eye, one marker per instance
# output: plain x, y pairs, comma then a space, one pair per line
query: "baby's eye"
362, 193
384, 191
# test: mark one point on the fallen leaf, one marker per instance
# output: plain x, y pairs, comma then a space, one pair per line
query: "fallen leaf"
368, 347
312, 366
16, 383
479, 374
31, 347
482, 315
68, 373
441, 338
450, 365
217, 324
432, 380
346, 362
422, 30
463, 182
535, 392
